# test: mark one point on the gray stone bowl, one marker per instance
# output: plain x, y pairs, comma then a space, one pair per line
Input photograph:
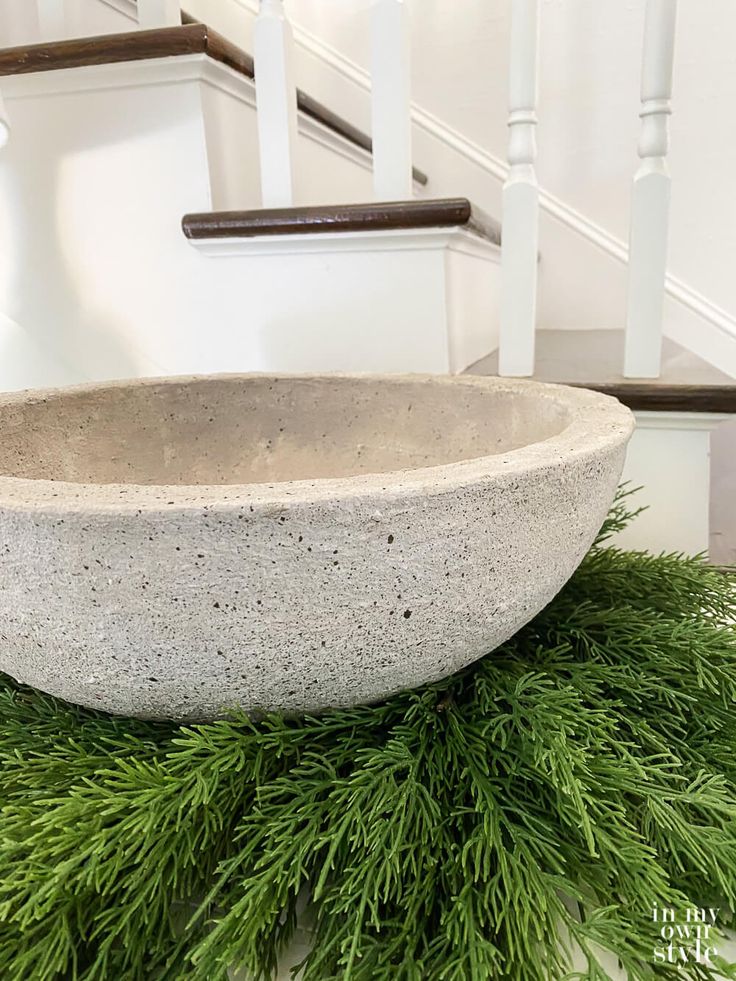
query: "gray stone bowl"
180, 547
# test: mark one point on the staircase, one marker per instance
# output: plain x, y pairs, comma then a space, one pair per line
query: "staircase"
132, 199
167, 119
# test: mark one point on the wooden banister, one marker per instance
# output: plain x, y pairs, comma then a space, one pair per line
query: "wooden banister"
372, 216
665, 397
132, 46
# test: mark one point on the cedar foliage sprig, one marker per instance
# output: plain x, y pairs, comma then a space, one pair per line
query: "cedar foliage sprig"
562, 787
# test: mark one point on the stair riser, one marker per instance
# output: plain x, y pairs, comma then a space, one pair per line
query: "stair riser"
404, 300
669, 458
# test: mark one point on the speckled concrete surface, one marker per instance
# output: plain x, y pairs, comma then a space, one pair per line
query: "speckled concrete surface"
179, 547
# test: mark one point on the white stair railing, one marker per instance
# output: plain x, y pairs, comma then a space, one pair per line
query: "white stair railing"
520, 236
650, 201
391, 100
158, 13
51, 19
276, 103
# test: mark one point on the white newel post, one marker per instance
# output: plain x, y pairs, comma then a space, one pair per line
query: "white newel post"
520, 227
650, 200
51, 20
391, 100
158, 13
276, 103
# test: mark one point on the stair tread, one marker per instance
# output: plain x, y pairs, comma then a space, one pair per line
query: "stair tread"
191, 38
593, 359
370, 216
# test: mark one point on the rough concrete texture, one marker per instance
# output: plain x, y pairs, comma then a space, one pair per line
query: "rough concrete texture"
180, 547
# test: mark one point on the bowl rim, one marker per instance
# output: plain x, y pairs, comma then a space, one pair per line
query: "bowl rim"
597, 423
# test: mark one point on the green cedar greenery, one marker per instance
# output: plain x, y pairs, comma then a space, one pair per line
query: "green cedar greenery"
567, 784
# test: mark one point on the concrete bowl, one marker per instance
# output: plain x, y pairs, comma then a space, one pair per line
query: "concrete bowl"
181, 547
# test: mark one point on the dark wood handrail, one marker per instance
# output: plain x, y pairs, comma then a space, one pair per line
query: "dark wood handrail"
665, 397
373, 216
165, 42
593, 359
105, 49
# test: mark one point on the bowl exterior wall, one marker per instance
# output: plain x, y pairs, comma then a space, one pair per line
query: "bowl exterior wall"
188, 613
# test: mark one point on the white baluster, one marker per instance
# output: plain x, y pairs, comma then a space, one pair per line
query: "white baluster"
391, 100
276, 103
51, 20
650, 201
520, 228
158, 13
4, 123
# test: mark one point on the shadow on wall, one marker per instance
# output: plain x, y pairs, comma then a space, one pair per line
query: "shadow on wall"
40, 280
24, 363
75, 202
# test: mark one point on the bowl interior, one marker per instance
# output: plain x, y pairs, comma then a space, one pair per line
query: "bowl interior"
257, 429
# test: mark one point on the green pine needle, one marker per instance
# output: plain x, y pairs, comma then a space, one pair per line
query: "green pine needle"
562, 787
